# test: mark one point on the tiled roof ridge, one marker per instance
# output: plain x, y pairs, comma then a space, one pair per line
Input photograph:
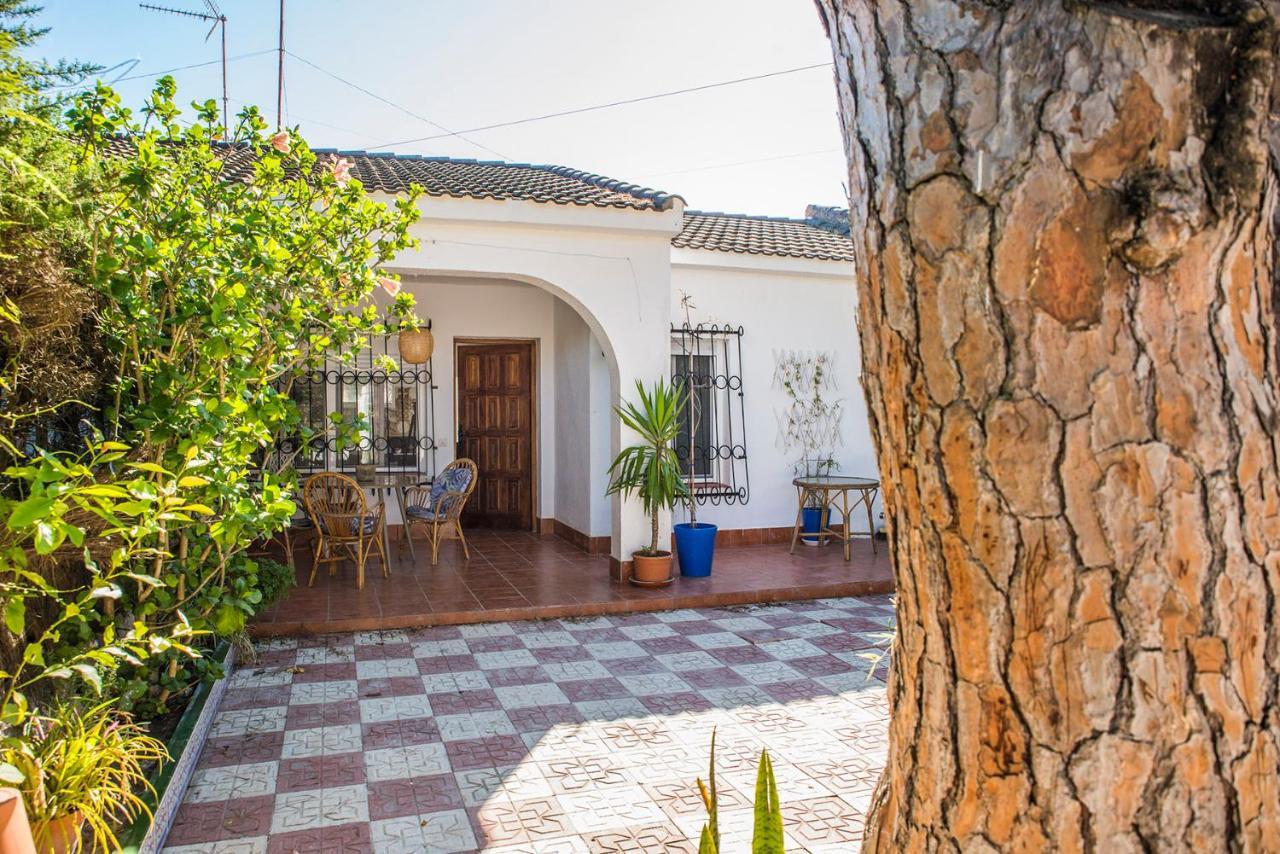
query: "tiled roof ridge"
662, 201
762, 217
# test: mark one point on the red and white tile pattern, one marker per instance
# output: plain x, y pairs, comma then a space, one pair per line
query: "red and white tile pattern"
546, 736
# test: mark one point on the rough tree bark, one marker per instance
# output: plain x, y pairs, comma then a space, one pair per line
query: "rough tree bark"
1062, 213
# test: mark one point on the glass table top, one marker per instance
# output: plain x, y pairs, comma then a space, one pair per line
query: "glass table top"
831, 481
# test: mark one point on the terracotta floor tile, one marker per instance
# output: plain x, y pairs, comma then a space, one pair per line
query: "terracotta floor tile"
517, 573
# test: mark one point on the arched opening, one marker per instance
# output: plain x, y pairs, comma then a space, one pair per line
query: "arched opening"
488, 323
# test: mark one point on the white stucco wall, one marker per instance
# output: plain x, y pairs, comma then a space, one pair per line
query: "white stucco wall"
573, 414
782, 304
611, 266
597, 287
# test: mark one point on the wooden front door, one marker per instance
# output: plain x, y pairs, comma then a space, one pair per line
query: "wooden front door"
495, 428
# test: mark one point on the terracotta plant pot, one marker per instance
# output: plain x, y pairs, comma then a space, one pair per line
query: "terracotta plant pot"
651, 569
62, 835
15, 831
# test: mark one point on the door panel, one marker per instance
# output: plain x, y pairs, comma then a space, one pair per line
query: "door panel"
495, 428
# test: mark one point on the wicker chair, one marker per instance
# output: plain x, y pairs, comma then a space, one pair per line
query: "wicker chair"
438, 508
343, 521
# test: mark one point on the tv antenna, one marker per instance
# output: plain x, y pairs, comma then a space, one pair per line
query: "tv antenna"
214, 15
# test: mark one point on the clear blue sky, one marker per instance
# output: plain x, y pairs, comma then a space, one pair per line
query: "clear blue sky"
479, 62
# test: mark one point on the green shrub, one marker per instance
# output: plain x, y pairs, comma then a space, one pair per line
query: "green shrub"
275, 579
119, 559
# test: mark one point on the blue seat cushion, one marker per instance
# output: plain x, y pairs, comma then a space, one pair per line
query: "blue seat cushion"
455, 479
370, 522
417, 511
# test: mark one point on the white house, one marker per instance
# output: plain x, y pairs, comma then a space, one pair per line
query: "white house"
550, 292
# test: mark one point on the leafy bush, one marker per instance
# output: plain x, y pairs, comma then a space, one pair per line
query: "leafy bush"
50, 354
210, 295
275, 579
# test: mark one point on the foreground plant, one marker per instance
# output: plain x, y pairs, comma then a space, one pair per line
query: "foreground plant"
766, 834
82, 768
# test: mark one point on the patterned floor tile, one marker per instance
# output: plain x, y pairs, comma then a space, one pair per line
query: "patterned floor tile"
554, 737
321, 740
524, 696
320, 808
397, 763
444, 832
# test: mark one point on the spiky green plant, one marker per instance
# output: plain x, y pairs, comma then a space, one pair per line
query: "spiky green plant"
766, 835
651, 468
81, 763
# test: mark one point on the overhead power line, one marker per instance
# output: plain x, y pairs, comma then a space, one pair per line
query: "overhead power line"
235, 58
161, 71
742, 162
393, 104
607, 106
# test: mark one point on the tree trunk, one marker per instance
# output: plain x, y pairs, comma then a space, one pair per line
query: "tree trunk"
1062, 217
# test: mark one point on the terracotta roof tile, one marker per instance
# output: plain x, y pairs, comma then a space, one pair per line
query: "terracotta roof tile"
463, 178
760, 235
460, 178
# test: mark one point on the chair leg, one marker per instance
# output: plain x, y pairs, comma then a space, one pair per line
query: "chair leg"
457, 526
362, 553
317, 548
435, 543
382, 553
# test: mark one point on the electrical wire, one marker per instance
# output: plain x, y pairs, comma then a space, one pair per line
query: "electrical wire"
178, 68
306, 121
742, 163
405, 110
609, 105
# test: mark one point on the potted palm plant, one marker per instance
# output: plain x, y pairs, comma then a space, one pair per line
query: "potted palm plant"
651, 470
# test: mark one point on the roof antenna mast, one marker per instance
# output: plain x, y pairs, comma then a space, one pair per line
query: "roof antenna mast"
219, 20
280, 68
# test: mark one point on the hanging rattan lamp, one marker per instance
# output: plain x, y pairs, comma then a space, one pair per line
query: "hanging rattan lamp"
416, 345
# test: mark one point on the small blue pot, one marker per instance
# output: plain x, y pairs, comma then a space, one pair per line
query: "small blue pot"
812, 521
695, 548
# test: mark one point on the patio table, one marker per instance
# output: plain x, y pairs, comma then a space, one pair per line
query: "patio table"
828, 489
387, 486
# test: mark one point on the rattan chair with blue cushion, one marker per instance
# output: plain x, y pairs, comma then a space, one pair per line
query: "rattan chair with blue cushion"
344, 522
439, 508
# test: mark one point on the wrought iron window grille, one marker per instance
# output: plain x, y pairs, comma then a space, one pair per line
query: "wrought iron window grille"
398, 405
706, 363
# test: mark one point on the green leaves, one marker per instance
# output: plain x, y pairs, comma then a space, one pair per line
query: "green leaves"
15, 616
651, 469
27, 512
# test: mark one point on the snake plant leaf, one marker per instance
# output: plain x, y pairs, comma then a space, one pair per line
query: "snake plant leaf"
707, 845
714, 809
767, 835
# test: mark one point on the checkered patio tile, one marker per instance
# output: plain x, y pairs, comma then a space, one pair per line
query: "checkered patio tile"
575, 735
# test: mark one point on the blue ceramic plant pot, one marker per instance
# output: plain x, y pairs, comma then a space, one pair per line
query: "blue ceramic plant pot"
695, 548
813, 521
